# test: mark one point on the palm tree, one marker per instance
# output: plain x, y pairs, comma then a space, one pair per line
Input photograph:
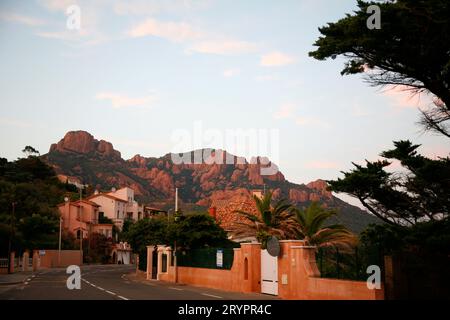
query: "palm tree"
312, 228
277, 220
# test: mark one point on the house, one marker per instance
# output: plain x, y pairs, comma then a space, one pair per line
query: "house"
122, 253
82, 219
152, 211
119, 205
133, 210
110, 207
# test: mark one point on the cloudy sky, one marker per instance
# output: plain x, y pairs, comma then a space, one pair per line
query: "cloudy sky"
138, 71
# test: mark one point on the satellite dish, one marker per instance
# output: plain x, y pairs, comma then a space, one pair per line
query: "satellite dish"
113, 189
66, 199
273, 247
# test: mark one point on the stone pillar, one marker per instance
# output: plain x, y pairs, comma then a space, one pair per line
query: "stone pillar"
160, 252
12, 262
35, 260
290, 268
303, 267
169, 257
251, 252
25, 258
149, 262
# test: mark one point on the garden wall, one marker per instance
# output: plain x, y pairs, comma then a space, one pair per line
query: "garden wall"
298, 275
51, 257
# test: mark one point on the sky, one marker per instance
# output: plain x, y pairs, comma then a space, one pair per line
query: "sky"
136, 73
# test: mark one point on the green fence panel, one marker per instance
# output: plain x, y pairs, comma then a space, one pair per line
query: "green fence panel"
205, 258
347, 264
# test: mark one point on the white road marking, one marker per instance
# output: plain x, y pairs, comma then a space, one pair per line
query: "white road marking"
175, 288
107, 291
211, 295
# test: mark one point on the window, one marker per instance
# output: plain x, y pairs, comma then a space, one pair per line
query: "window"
78, 234
101, 215
118, 214
130, 215
139, 215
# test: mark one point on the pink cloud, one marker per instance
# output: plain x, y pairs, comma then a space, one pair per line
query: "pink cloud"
405, 96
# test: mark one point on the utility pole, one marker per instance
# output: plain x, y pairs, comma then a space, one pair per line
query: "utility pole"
81, 225
59, 244
176, 200
66, 200
11, 235
175, 242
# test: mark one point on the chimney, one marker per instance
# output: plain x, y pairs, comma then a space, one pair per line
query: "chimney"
213, 212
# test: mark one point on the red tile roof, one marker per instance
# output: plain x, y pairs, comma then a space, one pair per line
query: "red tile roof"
106, 195
78, 201
226, 214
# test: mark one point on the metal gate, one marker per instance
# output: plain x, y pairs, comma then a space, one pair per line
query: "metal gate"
269, 273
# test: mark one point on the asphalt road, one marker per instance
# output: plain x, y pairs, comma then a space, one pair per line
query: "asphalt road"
112, 282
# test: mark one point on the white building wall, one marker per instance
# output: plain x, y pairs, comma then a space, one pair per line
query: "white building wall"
126, 194
113, 209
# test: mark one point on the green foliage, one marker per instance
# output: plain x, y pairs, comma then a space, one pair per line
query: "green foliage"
146, 232
419, 193
313, 229
197, 231
68, 241
272, 220
31, 187
411, 49
194, 231
431, 236
126, 225
105, 220
29, 150
98, 248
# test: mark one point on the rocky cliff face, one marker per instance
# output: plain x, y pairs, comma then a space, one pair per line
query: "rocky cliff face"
209, 175
84, 143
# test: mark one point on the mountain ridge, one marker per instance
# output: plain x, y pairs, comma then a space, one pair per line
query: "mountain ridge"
82, 158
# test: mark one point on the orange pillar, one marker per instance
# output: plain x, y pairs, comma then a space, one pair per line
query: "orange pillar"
250, 267
12, 262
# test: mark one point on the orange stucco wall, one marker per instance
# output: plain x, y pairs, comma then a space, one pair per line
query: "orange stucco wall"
298, 276
228, 280
302, 280
209, 278
68, 257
